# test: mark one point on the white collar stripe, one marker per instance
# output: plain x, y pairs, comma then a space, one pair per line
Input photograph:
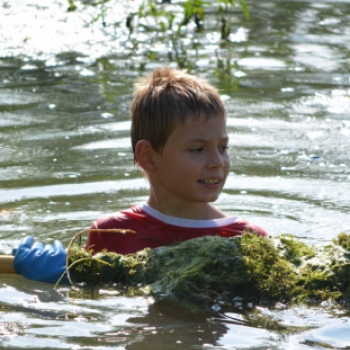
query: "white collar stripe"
174, 221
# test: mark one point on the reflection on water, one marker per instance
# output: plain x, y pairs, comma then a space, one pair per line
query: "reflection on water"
65, 159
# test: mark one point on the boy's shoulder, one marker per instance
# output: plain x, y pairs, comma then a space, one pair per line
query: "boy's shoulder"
118, 219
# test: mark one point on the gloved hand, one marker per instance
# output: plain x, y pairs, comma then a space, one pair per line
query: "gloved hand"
40, 263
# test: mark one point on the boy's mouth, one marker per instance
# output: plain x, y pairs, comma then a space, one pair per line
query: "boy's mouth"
209, 181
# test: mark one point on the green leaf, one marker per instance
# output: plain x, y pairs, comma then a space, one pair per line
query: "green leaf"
141, 11
71, 7
245, 9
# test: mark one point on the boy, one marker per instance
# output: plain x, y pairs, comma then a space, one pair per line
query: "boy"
180, 142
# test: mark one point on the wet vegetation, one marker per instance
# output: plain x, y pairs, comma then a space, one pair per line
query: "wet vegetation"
165, 16
251, 268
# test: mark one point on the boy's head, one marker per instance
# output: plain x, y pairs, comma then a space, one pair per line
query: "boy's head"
166, 98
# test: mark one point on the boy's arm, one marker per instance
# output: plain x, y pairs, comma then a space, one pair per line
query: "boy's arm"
41, 263
260, 231
93, 241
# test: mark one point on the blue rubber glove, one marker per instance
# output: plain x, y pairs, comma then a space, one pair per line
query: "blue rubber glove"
40, 263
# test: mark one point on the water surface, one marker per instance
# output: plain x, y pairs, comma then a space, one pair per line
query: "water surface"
65, 159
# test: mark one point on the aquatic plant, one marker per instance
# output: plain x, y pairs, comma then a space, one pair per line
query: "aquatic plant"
163, 16
249, 267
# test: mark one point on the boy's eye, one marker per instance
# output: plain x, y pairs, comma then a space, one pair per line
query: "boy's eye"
200, 149
196, 150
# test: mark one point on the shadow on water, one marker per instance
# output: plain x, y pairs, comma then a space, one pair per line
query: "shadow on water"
65, 159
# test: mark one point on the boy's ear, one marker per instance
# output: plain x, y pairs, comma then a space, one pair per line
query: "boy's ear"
144, 153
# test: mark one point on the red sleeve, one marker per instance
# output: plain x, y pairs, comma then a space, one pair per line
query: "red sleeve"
127, 232
93, 242
254, 229
107, 233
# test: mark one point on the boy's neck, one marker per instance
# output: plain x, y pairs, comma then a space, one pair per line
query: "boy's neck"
194, 211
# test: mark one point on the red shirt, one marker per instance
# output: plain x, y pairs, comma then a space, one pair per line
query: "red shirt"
150, 228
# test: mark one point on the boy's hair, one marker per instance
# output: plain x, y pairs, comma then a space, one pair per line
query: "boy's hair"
166, 98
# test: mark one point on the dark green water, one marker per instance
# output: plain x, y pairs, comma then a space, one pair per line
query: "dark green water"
65, 159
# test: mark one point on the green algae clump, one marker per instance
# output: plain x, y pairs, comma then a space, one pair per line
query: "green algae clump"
248, 266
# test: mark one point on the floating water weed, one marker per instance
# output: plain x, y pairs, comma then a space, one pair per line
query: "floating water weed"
248, 266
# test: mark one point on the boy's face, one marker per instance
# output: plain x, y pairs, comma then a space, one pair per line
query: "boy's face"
194, 163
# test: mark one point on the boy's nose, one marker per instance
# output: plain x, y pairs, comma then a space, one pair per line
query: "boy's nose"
216, 160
